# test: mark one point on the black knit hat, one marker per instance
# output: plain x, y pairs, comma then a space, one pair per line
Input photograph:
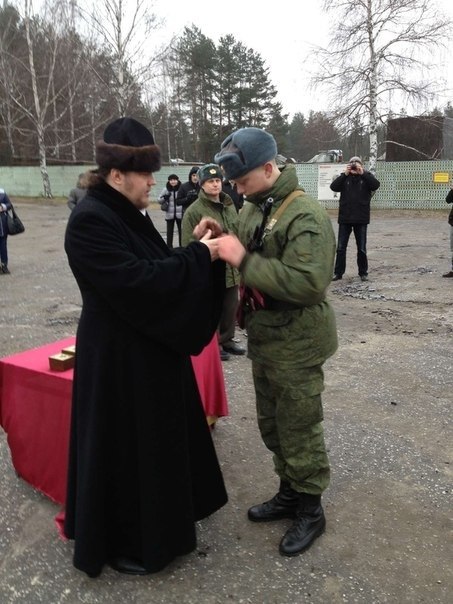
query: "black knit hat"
209, 171
128, 146
245, 150
173, 177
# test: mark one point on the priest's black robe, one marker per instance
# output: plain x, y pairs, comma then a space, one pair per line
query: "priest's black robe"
142, 465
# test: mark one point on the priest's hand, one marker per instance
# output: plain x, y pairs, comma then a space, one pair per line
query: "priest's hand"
211, 244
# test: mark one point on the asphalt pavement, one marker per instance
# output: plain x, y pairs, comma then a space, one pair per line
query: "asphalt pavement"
388, 429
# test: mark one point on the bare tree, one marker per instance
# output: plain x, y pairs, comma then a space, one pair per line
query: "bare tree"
124, 28
8, 115
32, 91
378, 55
38, 111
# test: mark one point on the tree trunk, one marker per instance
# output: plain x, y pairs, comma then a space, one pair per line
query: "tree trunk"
9, 130
39, 114
47, 192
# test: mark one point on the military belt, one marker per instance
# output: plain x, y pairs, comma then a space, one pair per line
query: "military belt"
273, 304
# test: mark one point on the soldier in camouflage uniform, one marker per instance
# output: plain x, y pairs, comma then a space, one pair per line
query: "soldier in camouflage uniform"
291, 326
213, 202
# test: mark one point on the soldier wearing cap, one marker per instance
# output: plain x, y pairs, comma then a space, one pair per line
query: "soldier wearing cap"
291, 333
212, 201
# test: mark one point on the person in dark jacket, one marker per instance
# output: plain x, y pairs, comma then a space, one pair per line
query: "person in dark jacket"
231, 190
356, 186
173, 213
449, 199
5, 205
142, 465
188, 192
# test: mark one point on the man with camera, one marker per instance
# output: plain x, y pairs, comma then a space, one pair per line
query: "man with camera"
449, 199
356, 186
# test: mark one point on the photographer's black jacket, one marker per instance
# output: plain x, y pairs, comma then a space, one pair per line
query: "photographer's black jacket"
355, 196
449, 199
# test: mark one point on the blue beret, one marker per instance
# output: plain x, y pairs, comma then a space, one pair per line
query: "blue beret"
245, 150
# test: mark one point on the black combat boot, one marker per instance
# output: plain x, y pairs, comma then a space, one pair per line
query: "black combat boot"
282, 505
309, 523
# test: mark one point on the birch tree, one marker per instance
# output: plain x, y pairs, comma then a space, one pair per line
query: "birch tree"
124, 29
41, 103
381, 53
9, 20
31, 90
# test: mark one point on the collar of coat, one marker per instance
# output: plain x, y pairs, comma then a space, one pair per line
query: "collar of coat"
121, 206
224, 198
285, 184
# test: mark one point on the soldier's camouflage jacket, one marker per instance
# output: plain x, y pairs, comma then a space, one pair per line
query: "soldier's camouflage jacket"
295, 266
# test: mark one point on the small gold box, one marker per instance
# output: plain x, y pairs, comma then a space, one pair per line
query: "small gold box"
61, 361
69, 350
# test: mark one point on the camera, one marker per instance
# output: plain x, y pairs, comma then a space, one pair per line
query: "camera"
353, 165
166, 197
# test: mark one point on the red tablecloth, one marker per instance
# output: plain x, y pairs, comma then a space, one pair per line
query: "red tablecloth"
208, 370
35, 409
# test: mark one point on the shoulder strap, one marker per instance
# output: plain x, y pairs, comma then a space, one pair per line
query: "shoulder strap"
285, 203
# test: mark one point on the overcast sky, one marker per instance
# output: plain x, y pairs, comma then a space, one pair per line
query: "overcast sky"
282, 33
282, 41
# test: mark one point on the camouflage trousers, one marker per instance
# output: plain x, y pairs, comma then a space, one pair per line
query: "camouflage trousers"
289, 411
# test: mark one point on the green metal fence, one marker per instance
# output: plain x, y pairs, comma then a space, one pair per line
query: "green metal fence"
404, 185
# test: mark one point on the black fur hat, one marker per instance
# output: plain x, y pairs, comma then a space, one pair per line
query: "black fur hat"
128, 146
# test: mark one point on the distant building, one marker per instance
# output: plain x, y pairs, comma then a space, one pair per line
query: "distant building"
419, 138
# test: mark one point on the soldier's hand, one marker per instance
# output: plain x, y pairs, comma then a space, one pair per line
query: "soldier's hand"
231, 250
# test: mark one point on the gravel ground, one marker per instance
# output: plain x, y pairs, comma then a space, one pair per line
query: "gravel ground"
388, 428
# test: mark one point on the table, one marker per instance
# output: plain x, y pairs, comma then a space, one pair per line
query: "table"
208, 370
35, 410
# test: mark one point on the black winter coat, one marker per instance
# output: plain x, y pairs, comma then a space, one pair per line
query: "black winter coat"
4, 200
187, 194
449, 199
355, 196
238, 199
142, 465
